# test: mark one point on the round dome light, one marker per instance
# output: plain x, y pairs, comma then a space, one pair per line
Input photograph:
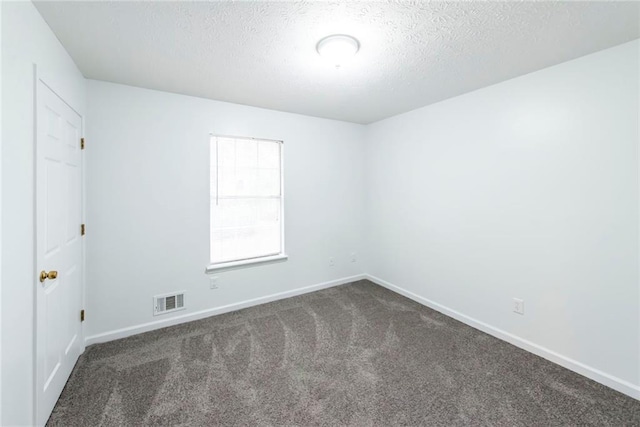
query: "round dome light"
338, 48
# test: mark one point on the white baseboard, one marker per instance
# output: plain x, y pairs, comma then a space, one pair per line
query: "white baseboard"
188, 317
603, 378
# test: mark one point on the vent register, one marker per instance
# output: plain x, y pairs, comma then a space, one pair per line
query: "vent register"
168, 303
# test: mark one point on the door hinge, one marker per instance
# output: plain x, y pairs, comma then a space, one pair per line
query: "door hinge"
82, 143
82, 229
82, 315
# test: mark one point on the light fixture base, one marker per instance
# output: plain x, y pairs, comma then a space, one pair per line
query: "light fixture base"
338, 48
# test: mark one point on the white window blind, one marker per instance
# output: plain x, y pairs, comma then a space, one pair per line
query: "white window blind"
246, 199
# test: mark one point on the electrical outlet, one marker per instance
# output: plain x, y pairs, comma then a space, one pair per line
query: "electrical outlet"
331, 262
213, 282
354, 257
518, 306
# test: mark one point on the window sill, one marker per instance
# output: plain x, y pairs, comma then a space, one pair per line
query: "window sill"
212, 268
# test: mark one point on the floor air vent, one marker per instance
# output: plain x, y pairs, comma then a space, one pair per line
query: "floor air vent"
167, 303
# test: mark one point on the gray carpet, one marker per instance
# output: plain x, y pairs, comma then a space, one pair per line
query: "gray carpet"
357, 354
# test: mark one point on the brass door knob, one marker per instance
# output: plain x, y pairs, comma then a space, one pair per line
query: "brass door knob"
50, 275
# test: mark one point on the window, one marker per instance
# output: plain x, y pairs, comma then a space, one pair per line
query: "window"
246, 201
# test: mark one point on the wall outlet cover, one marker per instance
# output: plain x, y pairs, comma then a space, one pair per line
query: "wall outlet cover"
213, 282
518, 306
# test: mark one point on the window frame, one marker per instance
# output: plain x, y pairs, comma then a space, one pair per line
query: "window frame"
261, 260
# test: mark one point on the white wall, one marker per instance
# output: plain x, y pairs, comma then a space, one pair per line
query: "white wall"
147, 161
0, 216
26, 40
525, 189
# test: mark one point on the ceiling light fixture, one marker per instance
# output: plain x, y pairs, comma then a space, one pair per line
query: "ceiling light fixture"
338, 48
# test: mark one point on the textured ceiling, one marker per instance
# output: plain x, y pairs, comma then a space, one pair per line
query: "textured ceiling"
263, 53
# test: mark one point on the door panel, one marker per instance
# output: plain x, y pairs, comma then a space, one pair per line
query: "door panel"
59, 247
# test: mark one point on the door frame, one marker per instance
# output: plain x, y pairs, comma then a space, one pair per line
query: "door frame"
49, 80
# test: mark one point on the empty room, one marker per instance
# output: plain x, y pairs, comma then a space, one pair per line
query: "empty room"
320, 213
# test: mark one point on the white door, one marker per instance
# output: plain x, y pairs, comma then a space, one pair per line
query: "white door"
59, 247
